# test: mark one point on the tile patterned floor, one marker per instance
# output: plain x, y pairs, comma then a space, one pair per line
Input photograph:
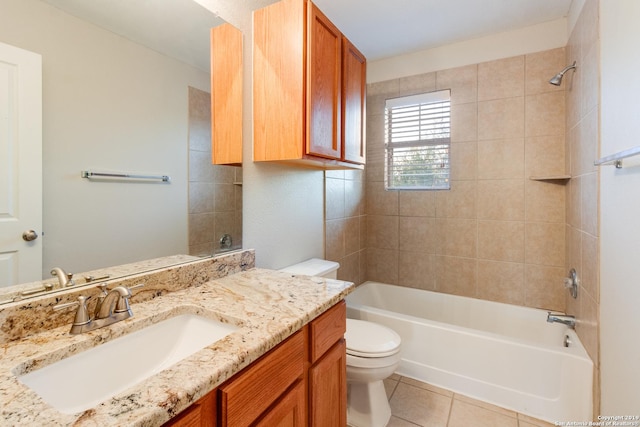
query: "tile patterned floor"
416, 404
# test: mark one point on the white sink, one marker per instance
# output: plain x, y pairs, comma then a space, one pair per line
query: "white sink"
84, 380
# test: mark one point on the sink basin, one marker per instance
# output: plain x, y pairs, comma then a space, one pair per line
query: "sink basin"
84, 380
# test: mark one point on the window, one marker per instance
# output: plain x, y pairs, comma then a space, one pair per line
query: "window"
417, 141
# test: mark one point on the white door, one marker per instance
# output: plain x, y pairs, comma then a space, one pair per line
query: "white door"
20, 166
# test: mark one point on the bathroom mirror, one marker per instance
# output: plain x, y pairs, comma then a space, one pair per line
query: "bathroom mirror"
125, 90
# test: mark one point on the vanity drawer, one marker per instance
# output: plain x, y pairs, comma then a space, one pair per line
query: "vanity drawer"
327, 329
251, 392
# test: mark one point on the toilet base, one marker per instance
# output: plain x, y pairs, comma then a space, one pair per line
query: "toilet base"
367, 404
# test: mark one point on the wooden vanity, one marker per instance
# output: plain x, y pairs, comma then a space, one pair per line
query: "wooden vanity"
300, 382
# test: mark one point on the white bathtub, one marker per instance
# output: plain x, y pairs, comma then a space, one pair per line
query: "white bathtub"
498, 353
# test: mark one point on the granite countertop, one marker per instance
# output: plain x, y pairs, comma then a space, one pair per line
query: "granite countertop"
268, 305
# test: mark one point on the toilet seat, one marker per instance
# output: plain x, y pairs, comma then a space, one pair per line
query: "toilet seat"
370, 340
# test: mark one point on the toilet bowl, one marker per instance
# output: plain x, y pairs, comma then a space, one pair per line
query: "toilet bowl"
373, 354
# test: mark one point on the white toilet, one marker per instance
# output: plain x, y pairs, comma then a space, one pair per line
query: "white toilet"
373, 354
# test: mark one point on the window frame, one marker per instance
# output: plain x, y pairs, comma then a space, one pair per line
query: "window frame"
429, 136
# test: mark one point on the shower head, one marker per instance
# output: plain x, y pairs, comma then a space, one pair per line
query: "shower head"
557, 79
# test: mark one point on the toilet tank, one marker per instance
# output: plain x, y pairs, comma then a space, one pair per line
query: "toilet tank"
315, 267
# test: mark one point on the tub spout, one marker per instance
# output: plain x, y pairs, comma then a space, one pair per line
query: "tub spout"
565, 319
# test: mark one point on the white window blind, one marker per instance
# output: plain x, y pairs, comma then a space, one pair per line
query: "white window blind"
418, 141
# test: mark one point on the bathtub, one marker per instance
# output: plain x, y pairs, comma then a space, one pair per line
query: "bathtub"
503, 354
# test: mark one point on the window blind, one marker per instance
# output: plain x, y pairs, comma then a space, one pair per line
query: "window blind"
418, 141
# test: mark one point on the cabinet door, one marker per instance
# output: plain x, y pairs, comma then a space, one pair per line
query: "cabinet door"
328, 388
354, 80
200, 414
324, 63
289, 411
226, 95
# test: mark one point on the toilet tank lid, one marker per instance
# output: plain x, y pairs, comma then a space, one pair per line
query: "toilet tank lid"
312, 267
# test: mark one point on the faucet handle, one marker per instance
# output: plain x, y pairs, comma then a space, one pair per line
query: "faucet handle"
123, 302
82, 315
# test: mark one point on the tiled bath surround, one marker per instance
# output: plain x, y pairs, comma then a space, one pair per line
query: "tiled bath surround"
496, 234
215, 191
582, 148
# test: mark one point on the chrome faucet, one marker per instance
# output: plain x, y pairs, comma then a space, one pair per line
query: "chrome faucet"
112, 307
64, 279
565, 319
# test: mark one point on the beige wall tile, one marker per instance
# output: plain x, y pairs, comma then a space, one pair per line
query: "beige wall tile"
501, 281
464, 161
502, 78
417, 234
201, 197
384, 88
353, 197
464, 122
334, 239
224, 197
379, 201
574, 214
544, 243
417, 84
501, 200
456, 237
588, 272
586, 144
501, 119
544, 114
501, 159
459, 202
350, 268
545, 202
456, 275
544, 287
382, 231
382, 265
589, 203
351, 235
587, 327
417, 203
463, 82
200, 168
540, 67
545, 156
416, 270
201, 228
501, 240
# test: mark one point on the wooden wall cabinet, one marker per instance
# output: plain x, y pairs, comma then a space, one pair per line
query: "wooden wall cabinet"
226, 95
301, 382
308, 89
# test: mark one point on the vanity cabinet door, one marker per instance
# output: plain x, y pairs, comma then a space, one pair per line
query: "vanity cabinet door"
328, 372
246, 397
289, 411
200, 414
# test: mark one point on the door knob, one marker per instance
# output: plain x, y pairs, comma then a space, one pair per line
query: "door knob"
29, 235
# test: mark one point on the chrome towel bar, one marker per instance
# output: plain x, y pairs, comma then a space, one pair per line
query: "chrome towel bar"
90, 174
616, 158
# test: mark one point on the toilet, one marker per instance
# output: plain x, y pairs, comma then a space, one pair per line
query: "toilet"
373, 354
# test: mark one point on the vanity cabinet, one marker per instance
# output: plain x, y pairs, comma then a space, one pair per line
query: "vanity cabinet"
308, 89
300, 382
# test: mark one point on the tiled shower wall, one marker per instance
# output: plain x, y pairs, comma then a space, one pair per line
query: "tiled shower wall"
215, 192
583, 147
497, 234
